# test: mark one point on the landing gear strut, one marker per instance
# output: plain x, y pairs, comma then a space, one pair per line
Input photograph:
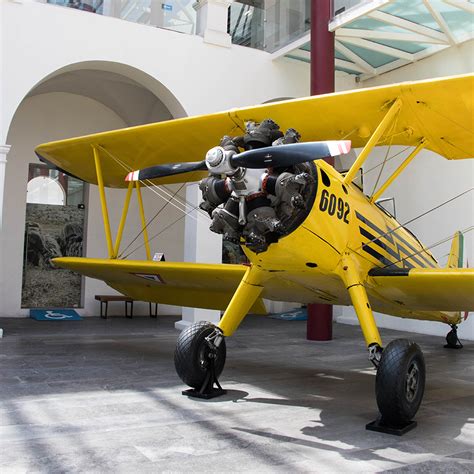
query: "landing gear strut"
400, 380
452, 339
199, 359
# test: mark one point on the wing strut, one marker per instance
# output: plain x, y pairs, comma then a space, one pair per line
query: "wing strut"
142, 217
118, 239
103, 202
114, 248
379, 131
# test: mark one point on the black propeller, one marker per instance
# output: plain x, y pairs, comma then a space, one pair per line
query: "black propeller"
161, 171
259, 158
288, 155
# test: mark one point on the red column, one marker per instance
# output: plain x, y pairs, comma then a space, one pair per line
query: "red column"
322, 48
319, 325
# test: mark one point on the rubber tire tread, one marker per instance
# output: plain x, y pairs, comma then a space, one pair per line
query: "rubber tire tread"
186, 355
390, 382
452, 339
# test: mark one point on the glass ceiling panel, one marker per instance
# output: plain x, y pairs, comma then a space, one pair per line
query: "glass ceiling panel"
459, 21
299, 58
339, 55
375, 25
349, 71
406, 46
412, 10
374, 58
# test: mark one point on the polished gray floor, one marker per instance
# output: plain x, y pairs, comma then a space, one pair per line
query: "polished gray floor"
103, 396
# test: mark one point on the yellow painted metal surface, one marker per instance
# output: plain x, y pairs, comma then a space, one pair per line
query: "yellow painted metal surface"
374, 139
440, 110
246, 294
182, 284
441, 289
143, 219
103, 200
455, 259
350, 273
123, 219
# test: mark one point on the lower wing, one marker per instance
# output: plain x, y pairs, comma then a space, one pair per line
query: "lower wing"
197, 285
426, 289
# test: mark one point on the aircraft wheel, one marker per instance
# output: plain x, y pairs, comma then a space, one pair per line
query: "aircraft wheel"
192, 354
400, 382
452, 340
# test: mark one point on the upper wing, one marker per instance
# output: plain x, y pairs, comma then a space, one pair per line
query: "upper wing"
197, 285
439, 110
426, 289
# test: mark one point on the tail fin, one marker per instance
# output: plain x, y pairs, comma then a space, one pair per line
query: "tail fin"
456, 255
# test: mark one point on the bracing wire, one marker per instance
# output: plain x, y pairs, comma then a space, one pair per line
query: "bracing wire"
160, 232
436, 244
149, 222
417, 217
388, 159
155, 189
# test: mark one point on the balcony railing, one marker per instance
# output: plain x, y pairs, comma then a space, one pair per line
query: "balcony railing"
176, 15
272, 24
268, 25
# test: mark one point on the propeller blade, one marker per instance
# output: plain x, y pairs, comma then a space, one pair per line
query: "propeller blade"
161, 171
288, 155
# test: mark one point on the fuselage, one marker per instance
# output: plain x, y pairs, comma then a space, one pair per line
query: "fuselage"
342, 221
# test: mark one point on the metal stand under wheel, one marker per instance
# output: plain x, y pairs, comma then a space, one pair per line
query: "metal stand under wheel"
208, 391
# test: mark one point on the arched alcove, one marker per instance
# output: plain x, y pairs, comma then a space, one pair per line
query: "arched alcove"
78, 99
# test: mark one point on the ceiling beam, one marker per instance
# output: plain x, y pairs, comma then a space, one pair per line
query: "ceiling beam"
441, 22
463, 5
408, 25
368, 68
380, 48
290, 48
355, 12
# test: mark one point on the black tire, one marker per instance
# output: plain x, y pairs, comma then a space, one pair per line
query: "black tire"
452, 338
400, 382
191, 355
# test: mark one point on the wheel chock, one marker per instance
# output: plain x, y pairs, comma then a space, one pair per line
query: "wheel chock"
382, 427
207, 391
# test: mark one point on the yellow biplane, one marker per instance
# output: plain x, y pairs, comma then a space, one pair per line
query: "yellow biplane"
311, 235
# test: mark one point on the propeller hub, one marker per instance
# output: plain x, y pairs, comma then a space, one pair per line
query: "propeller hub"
215, 156
218, 161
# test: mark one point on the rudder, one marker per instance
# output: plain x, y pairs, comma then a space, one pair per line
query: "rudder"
456, 254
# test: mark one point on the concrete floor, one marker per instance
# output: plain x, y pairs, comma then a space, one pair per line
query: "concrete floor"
103, 396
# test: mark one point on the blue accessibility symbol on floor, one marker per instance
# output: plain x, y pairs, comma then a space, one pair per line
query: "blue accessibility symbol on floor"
54, 315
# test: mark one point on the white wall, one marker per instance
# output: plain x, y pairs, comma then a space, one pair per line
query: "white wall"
54, 116
42, 39
428, 181
40, 42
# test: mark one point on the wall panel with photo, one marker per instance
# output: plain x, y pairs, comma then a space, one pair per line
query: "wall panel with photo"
54, 227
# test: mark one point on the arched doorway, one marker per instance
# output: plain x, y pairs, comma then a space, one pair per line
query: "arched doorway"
77, 100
